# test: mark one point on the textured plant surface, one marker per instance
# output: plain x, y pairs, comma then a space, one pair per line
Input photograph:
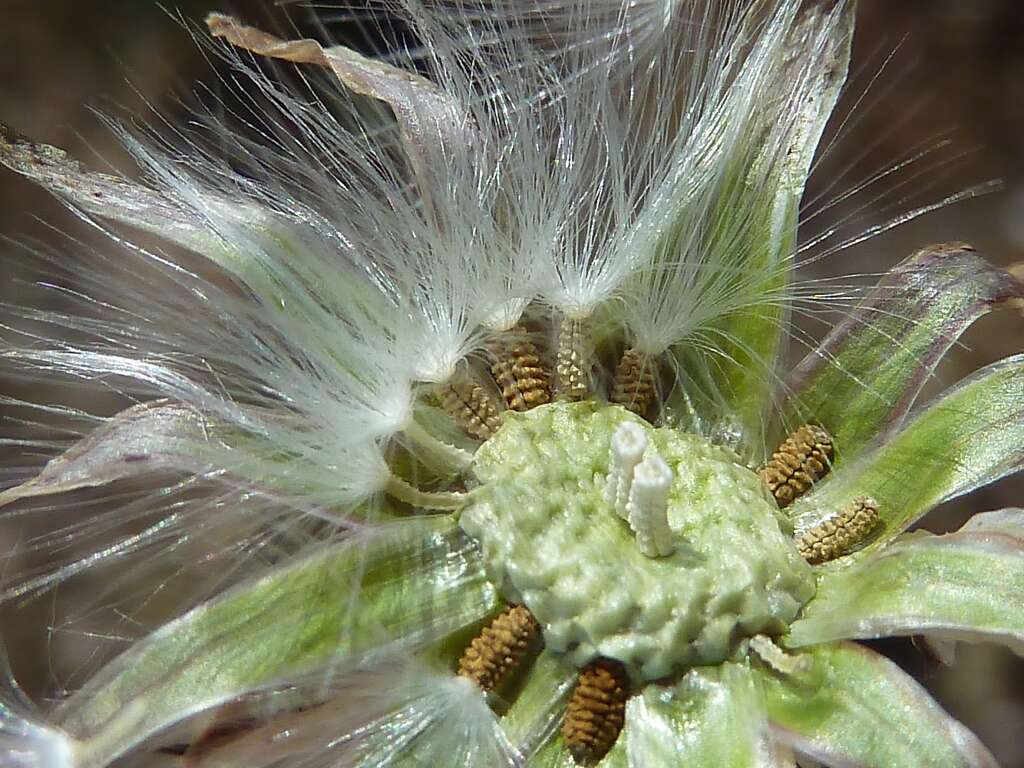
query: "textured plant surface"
460, 370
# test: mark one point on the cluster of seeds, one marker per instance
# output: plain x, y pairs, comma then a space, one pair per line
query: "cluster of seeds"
804, 458
596, 710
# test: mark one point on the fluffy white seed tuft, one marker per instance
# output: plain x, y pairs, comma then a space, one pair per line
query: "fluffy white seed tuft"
443, 719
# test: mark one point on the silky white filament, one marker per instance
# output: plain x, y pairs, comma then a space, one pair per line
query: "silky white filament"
628, 445
648, 506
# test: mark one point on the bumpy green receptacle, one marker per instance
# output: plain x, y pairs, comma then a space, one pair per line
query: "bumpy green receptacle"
552, 542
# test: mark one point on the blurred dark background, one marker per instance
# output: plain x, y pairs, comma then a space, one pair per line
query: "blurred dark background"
924, 71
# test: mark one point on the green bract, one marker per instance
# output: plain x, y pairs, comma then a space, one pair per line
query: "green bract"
476, 394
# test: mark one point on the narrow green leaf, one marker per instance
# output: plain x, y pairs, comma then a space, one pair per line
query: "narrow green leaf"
971, 436
965, 585
713, 717
866, 374
403, 585
395, 711
855, 707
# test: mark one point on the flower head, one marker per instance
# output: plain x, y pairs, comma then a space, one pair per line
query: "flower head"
469, 379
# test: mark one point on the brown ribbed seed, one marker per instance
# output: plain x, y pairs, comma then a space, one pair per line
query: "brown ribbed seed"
596, 711
499, 648
574, 360
801, 461
518, 371
634, 386
471, 406
836, 535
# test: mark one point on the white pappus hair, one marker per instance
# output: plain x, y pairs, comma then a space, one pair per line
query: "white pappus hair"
304, 267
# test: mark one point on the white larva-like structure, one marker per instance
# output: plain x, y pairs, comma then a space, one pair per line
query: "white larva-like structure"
627, 450
648, 506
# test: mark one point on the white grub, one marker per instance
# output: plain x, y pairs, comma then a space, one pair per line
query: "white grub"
628, 445
648, 506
